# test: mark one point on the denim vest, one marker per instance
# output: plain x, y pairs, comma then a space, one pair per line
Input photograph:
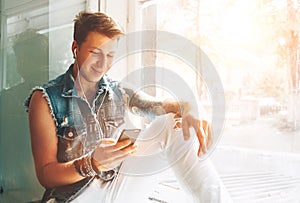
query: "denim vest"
77, 124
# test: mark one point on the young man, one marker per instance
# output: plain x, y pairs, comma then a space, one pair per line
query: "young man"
71, 115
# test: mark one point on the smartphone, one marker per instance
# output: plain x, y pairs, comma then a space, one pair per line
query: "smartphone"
131, 134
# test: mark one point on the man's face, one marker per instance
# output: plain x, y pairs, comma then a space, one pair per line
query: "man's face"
95, 56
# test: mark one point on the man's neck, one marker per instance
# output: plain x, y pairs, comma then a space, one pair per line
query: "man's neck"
85, 88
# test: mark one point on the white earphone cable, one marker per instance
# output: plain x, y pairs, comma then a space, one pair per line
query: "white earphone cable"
95, 115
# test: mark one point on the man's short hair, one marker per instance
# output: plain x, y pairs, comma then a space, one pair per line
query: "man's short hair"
86, 22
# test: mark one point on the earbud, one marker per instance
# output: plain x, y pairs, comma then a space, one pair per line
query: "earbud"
75, 55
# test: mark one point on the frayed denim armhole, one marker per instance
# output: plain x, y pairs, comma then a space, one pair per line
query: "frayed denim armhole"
46, 96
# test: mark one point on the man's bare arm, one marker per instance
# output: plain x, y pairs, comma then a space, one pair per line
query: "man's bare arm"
49, 172
143, 104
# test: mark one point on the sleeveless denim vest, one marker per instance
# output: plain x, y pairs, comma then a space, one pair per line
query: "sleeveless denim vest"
77, 124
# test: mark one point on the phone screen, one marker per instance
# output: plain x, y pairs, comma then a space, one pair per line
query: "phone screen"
131, 134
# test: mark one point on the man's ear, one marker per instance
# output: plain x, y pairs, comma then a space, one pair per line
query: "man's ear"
74, 49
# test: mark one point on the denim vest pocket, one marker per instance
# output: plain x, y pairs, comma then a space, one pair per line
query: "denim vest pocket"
112, 116
70, 142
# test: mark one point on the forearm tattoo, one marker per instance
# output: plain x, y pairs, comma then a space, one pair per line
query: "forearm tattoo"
143, 104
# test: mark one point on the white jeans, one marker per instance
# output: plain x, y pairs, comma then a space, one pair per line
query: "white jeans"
160, 147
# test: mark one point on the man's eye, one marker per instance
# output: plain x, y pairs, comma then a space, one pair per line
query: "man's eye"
96, 52
110, 55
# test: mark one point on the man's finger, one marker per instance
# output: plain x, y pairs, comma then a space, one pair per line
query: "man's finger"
115, 147
118, 160
209, 136
119, 154
208, 133
201, 137
202, 146
123, 152
122, 144
185, 129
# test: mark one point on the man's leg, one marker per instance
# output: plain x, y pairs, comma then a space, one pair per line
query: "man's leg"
161, 147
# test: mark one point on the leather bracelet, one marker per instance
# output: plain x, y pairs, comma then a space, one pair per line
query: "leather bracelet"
95, 168
84, 166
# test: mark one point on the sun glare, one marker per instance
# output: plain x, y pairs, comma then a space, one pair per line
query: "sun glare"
239, 23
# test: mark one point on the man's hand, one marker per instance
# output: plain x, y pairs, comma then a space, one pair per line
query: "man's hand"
202, 129
106, 157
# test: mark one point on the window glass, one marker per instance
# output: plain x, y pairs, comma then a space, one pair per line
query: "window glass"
36, 39
254, 47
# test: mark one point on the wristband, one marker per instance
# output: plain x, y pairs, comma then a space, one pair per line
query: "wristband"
84, 166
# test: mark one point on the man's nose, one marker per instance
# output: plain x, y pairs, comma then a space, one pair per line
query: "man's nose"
102, 60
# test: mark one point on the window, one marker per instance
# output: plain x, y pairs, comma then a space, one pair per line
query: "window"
35, 46
254, 47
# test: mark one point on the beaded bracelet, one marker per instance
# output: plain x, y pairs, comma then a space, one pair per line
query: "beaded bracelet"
84, 166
